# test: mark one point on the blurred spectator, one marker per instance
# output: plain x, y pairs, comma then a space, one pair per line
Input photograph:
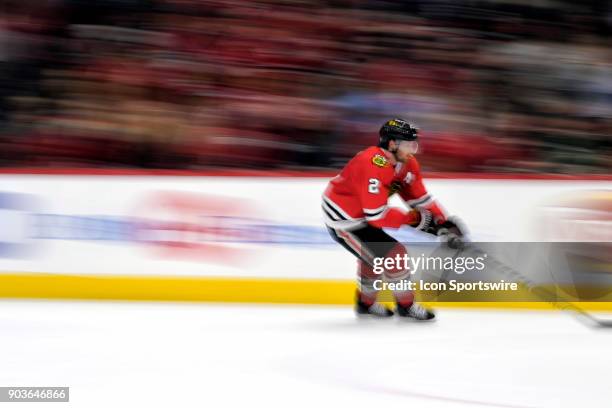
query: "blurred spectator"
494, 85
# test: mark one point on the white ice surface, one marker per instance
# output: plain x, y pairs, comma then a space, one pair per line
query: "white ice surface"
203, 355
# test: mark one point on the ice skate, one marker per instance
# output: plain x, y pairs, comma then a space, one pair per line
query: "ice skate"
375, 309
416, 311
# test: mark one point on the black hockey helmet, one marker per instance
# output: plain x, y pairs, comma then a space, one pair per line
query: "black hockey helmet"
397, 129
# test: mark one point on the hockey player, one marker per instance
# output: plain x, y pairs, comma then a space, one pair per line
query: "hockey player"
355, 211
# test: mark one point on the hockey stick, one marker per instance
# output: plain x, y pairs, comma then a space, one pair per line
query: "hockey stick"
555, 299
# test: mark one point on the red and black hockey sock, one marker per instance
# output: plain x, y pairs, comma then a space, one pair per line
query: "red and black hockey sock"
366, 277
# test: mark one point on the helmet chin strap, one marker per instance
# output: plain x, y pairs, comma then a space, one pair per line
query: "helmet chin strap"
394, 151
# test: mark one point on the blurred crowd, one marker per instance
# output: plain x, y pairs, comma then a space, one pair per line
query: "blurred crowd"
498, 85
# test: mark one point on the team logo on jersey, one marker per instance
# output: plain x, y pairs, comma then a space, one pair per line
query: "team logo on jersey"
379, 160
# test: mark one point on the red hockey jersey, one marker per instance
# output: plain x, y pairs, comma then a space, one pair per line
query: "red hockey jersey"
359, 194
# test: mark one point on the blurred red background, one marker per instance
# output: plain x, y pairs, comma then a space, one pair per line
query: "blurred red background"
495, 86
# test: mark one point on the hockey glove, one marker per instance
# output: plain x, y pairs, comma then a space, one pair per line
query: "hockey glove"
452, 231
452, 225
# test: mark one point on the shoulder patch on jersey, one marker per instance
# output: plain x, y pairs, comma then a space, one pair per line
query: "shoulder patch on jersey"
380, 161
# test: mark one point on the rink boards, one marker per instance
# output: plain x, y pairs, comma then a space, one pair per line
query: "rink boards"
239, 238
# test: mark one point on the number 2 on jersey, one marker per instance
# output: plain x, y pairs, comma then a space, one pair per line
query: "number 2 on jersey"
373, 186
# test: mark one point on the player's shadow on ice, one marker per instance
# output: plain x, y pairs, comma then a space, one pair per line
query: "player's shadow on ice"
352, 323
